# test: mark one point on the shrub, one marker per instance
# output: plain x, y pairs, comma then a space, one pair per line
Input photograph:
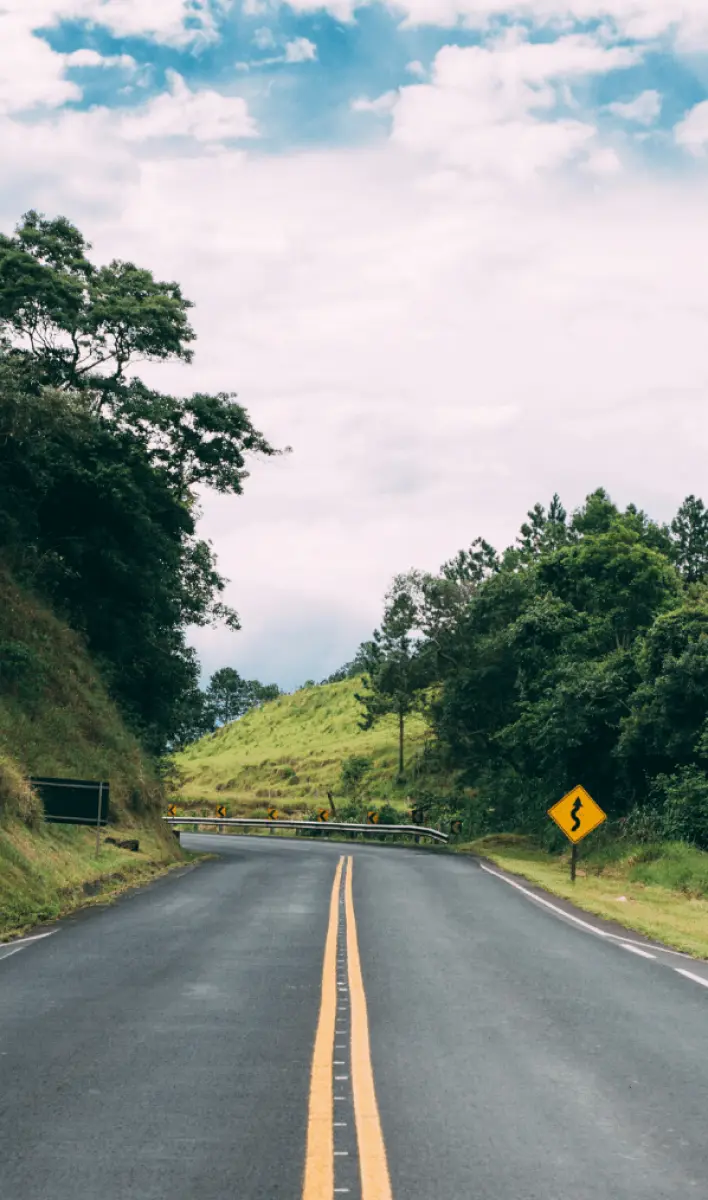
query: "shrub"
353, 771
685, 805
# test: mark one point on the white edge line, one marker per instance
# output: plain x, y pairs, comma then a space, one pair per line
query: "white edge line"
636, 950
577, 920
7, 949
690, 975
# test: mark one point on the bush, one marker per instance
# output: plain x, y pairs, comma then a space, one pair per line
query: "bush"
685, 805
353, 771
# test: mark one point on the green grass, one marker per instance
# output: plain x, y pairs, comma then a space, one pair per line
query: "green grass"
54, 870
291, 750
660, 890
56, 718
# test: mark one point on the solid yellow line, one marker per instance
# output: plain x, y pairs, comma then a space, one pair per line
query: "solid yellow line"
373, 1165
319, 1156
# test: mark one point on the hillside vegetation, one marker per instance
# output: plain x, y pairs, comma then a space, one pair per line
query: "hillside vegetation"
56, 718
291, 751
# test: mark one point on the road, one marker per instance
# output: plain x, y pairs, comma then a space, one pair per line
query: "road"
301, 1020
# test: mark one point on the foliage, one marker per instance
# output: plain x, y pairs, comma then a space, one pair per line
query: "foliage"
354, 770
577, 655
97, 471
682, 801
690, 534
396, 674
226, 698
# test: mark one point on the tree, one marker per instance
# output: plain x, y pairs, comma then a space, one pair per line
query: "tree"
689, 530
98, 473
228, 696
666, 724
263, 692
543, 671
396, 673
83, 325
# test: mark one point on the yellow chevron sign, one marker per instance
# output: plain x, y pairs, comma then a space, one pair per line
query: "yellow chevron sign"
323, 814
372, 817
172, 810
221, 810
272, 814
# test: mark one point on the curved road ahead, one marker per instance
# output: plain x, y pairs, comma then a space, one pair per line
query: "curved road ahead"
301, 1020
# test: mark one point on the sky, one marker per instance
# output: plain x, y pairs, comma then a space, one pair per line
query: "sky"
453, 252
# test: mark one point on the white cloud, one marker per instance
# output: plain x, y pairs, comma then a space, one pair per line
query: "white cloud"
31, 74
644, 109
382, 104
91, 58
692, 131
300, 49
486, 110
263, 38
443, 330
254, 8
206, 116
175, 22
416, 68
604, 161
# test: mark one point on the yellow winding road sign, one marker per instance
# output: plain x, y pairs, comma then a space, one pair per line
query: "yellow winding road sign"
577, 814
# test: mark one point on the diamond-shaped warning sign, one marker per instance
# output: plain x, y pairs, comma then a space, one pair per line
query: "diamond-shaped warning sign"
577, 814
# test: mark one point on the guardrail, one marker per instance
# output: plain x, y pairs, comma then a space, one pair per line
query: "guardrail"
323, 826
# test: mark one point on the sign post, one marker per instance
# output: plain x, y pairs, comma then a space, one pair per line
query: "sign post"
577, 814
98, 819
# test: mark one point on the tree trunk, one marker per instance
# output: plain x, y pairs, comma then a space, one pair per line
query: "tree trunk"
401, 719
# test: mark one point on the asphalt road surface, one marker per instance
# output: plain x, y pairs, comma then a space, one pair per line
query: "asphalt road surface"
301, 1020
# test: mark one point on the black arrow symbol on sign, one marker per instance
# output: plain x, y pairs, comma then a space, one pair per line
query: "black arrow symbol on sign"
574, 814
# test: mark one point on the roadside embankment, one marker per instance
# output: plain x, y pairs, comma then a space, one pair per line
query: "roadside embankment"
660, 890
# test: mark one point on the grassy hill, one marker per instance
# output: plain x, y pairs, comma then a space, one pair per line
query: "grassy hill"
291, 751
56, 718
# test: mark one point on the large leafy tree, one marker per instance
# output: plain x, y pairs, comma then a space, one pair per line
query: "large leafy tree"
98, 472
543, 671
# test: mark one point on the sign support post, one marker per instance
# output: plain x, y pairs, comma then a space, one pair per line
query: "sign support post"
577, 814
98, 819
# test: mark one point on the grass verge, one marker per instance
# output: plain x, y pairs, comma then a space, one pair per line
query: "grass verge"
660, 890
48, 873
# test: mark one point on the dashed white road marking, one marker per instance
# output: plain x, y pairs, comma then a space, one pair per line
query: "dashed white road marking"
637, 950
690, 975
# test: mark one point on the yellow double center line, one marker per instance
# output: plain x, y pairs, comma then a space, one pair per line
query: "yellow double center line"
319, 1158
